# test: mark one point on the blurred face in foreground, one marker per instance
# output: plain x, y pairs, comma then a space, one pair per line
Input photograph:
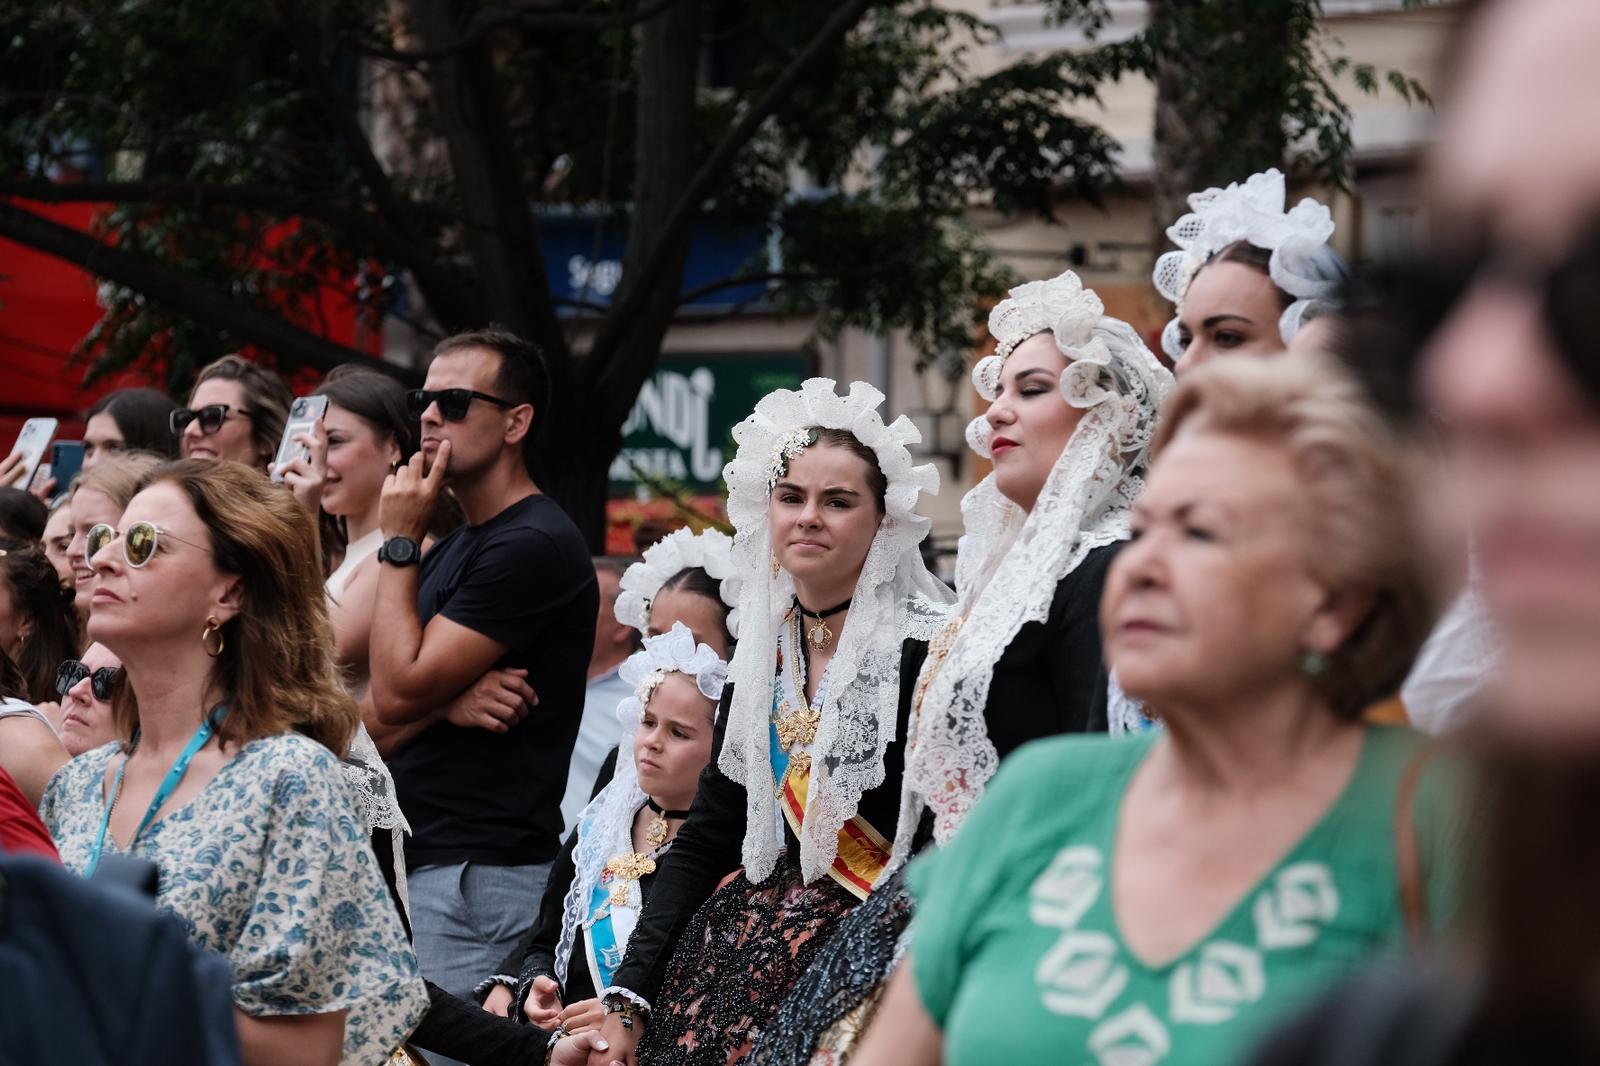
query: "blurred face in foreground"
1214, 600
1518, 188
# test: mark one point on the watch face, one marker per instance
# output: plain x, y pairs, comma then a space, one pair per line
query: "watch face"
400, 550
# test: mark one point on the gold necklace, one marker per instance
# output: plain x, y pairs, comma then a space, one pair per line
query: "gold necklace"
797, 728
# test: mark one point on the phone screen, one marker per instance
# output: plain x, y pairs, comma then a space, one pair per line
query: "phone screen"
303, 417
66, 463
32, 443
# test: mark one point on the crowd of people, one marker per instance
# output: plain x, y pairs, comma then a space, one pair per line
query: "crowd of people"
1257, 727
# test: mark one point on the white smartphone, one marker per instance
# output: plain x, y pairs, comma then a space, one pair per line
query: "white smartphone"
303, 415
33, 442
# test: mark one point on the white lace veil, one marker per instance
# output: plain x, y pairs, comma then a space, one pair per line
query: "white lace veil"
1010, 561
682, 549
607, 822
895, 598
1302, 263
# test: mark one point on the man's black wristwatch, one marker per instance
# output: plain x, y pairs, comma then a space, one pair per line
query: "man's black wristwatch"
399, 551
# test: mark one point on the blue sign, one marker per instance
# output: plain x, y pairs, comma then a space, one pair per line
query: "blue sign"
580, 273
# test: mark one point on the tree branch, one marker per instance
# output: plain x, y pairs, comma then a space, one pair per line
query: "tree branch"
200, 301
282, 202
456, 306
604, 375
519, 15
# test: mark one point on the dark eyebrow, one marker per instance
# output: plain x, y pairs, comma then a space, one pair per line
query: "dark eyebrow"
1031, 372
840, 490
1218, 319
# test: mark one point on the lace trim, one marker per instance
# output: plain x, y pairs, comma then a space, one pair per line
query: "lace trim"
485, 986
680, 550
895, 599
629, 995
1010, 562
1124, 714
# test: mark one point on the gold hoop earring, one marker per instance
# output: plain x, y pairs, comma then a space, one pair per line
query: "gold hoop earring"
213, 629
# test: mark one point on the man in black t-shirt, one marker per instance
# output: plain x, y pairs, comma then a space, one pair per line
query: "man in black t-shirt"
512, 590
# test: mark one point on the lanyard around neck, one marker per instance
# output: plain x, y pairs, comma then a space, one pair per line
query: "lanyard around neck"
169, 785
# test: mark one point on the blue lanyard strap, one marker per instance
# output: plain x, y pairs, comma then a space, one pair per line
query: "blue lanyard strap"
169, 785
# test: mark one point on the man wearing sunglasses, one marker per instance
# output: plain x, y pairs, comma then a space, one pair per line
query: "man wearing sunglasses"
513, 589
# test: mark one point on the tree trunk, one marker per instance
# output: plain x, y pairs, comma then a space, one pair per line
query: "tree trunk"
667, 139
1217, 119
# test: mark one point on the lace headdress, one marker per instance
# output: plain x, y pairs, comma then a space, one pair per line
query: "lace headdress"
895, 599
607, 822
682, 549
1302, 263
1010, 560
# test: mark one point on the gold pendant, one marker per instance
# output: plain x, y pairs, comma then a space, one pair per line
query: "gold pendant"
655, 834
819, 635
631, 867
798, 728
619, 895
800, 763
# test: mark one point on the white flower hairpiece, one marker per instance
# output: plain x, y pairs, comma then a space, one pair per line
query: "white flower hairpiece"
1106, 361
784, 449
1301, 263
674, 651
683, 549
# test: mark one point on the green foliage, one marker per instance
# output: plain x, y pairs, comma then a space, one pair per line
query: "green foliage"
231, 123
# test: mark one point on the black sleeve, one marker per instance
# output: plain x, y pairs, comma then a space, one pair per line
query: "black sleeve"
457, 1029
707, 847
535, 954
1078, 674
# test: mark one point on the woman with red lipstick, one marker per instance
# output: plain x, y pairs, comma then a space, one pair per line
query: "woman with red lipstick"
835, 611
1166, 895
1074, 397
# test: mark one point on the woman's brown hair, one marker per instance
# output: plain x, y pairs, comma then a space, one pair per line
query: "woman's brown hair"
277, 670
266, 399
35, 590
1364, 532
119, 478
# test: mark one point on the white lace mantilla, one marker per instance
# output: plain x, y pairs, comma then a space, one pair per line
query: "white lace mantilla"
1302, 263
376, 804
1010, 561
682, 549
607, 822
895, 599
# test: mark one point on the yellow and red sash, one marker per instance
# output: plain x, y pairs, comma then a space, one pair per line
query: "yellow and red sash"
863, 852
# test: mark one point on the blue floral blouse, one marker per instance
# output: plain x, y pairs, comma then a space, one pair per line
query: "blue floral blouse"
270, 866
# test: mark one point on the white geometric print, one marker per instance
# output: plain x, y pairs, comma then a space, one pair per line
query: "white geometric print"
1132, 1038
1211, 991
1079, 977
1292, 912
1067, 889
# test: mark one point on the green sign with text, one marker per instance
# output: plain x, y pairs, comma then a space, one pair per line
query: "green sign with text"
681, 427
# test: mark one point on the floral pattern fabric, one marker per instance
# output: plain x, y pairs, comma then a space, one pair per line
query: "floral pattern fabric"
271, 866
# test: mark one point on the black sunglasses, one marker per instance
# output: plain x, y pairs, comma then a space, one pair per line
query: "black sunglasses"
211, 417
1396, 307
103, 682
453, 403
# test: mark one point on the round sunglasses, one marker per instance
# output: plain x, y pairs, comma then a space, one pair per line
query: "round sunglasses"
210, 417
103, 682
139, 541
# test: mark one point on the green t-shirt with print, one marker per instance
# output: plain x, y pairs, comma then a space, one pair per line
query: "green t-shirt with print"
1017, 952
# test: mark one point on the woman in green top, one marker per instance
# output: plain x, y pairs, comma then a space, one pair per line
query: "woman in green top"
1160, 898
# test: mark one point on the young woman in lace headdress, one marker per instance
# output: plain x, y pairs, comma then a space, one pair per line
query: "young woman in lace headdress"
836, 608
1073, 402
1247, 274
